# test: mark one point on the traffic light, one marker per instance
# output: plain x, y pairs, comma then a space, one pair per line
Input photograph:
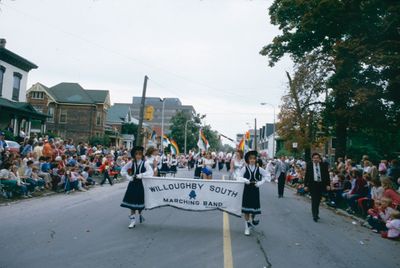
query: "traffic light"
148, 113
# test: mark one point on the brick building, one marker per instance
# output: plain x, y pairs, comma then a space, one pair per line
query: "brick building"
74, 112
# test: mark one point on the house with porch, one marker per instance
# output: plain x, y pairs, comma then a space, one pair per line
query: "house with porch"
16, 115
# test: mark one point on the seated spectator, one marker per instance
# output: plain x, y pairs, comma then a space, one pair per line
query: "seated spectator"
32, 178
85, 175
383, 167
389, 191
393, 226
358, 190
22, 186
44, 168
379, 216
376, 193
336, 191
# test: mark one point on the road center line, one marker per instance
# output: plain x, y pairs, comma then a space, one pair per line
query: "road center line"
228, 260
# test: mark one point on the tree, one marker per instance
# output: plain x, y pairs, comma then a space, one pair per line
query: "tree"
177, 131
359, 37
129, 128
302, 104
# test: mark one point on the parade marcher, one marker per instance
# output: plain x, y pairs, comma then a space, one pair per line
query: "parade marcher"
253, 176
237, 163
198, 166
164, 163
317, 181
135, 171
173, 164
153, 159
208, 164
281, 169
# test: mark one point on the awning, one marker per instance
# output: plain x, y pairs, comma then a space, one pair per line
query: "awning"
21, 109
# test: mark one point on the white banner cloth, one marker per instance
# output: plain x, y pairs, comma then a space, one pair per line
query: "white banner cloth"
192, 194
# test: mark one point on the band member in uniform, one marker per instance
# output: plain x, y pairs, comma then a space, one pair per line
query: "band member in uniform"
237, 164
134, 171
316, 181
253, 177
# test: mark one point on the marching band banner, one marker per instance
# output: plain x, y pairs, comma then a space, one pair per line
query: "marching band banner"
195, 195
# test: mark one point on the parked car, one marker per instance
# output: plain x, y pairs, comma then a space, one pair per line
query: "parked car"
13, 146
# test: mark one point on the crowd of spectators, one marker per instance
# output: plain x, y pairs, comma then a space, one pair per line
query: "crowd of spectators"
365, 189
47, 164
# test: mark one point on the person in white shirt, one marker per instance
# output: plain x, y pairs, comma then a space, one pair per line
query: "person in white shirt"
393, 226
237, 163
253, 176
135, 171
208, 164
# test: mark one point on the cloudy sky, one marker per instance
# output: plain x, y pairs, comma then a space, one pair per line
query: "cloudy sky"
204, 52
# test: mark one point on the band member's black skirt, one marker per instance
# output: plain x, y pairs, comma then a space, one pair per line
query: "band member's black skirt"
164, 168
251, 199
197, 172
134, 196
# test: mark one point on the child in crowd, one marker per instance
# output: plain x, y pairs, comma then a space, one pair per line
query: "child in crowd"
393, 226
85, 175
380, 215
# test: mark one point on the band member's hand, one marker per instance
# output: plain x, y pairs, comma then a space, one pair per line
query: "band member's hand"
246, 181
130, 178
306, 189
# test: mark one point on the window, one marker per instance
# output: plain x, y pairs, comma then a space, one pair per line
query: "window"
16, 86
98, 118
37, 95
63, 116
50, 113
2, 71
38, 108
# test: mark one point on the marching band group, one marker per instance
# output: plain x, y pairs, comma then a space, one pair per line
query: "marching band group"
246, 168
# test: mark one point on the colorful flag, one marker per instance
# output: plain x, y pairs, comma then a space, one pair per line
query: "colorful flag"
241, 144
166, 141
202, 142
174, 147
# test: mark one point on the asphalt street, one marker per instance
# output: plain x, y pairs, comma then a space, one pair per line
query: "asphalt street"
89, 229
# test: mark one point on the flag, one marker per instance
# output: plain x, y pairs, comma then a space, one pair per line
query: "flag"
166, 141
174, 147
202, 142
241, 144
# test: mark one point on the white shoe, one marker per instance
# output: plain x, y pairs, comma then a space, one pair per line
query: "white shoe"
247, 229
132, 223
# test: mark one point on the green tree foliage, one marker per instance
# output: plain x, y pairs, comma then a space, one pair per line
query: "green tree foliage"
361, 39
177, 132
129, 129
99, 140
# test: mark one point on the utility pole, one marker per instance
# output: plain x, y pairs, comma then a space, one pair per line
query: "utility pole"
139, 130
255, 134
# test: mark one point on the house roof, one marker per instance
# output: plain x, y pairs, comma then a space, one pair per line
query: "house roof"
74, 93
21, 108
98, 96
117, 112
16, 60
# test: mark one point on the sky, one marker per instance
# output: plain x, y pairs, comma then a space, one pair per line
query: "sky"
205, 52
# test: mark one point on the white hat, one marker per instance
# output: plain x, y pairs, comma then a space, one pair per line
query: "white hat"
58, 158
